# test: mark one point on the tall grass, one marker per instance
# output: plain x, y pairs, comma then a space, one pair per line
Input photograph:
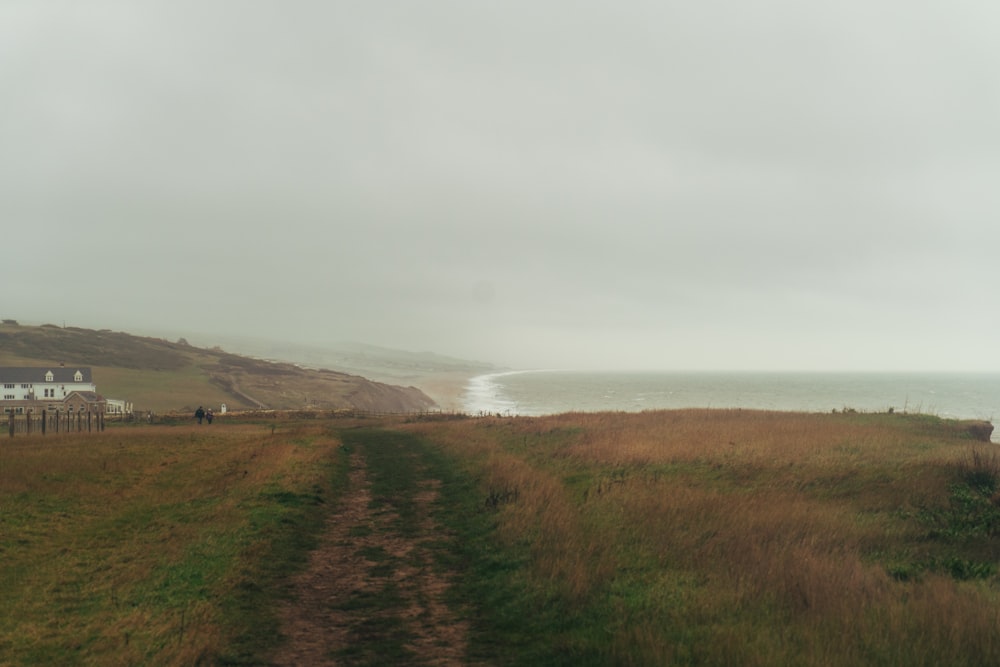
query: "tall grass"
738, 537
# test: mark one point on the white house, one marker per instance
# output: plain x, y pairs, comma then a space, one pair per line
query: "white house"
30, 387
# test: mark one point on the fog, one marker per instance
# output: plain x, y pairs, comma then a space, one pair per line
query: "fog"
662, 185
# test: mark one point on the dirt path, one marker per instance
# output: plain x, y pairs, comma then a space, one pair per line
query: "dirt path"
369, 594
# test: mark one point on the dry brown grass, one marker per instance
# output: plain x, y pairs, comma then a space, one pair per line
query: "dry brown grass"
739, 537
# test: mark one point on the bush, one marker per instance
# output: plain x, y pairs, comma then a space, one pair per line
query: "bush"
981, 469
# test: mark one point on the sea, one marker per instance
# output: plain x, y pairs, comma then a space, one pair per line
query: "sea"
542, 392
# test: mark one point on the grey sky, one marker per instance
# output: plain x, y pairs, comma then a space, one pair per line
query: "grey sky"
720, 184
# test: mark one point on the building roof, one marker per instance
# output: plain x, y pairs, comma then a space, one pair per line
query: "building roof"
88, 396
36, 374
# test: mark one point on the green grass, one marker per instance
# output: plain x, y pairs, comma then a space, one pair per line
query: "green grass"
512, 623
156, 546
160, 390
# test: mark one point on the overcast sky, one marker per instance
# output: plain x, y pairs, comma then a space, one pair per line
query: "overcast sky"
780, 184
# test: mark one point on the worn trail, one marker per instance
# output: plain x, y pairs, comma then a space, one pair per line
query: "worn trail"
371, 593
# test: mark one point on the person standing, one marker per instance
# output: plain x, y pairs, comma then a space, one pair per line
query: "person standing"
199, 414
209, 416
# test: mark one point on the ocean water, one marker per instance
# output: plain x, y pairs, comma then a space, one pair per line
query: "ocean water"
532, 393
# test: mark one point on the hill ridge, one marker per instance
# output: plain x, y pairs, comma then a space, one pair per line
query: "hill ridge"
162, 376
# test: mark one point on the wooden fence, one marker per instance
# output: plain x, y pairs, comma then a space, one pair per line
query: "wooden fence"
57, 421
54, 422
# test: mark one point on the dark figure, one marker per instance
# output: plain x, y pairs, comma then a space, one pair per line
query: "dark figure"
209, 416
199, 414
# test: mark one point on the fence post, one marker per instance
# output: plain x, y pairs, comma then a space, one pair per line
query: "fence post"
57, 420
44, 419
12, 423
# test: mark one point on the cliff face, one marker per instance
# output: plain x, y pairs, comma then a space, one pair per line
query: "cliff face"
384, 397
283, 386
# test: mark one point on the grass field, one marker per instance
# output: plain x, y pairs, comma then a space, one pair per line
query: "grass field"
153, 545
183, 389
696, 537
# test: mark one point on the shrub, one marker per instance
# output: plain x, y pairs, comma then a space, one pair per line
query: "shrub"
981, 469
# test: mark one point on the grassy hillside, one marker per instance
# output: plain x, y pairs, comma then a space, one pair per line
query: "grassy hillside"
690, 537
159, 375
440, 377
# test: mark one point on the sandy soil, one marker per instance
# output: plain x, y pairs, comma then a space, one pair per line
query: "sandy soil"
445, 389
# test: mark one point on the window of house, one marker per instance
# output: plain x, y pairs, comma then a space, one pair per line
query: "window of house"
8, 397
49, 377
8, 386
25, 386
78, 377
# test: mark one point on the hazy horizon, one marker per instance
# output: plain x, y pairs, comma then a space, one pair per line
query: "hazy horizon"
666, 186
295, 352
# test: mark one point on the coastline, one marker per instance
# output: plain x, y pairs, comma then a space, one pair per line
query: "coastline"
467, 391
462, 391
446, 389
946, 395
483, 395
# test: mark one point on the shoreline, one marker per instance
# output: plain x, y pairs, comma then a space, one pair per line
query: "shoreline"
949, 396
447, 390
457, 391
